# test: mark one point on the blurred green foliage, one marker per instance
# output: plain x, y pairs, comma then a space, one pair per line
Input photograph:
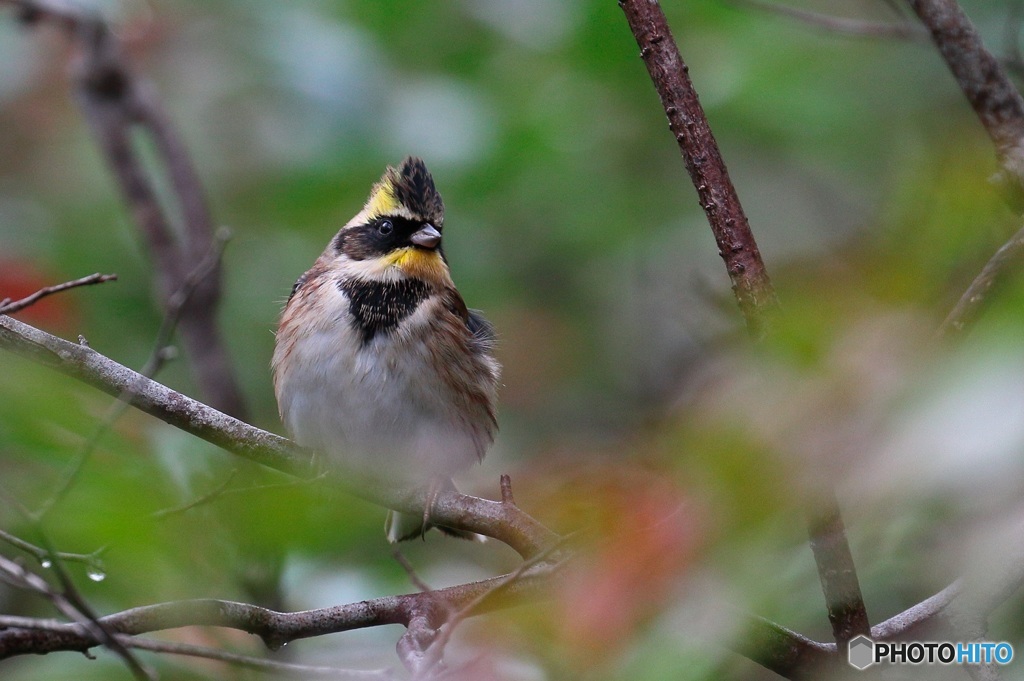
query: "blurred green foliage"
572, 224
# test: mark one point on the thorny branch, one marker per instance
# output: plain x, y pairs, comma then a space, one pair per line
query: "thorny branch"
116, 101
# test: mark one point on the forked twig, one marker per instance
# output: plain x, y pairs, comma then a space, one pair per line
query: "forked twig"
7, 306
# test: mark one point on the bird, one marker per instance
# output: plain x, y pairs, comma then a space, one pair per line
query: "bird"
379, 367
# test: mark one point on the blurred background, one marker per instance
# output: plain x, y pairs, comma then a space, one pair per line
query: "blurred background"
631, 397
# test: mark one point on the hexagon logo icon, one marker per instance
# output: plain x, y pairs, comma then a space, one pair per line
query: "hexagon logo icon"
861, 652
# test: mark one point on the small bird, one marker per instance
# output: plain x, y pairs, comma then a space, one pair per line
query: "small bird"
379, 366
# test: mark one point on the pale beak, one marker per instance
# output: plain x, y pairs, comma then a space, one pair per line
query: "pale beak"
426, 237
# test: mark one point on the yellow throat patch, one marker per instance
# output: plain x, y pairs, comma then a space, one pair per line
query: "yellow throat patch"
419, 263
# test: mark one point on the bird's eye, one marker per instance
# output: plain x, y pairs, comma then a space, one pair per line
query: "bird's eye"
385, 227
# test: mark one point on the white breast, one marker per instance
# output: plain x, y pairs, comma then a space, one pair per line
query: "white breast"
379, 409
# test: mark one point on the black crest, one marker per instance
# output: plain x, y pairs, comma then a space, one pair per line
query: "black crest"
414, 188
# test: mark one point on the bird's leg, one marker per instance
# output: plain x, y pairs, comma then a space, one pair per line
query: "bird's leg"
433, 491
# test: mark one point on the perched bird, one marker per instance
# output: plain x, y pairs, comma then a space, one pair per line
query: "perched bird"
379, 367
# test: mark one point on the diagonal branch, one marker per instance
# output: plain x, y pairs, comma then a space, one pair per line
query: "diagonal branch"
715, 191
502, 521
962, 317
985, 83
753, 288
846, 610
8, 306
73, 607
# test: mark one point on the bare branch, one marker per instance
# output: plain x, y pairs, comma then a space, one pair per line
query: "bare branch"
257, 663
276, 628
984, 82
839, 583
72, 595
116, 101
962, 317
432, 660
717, 196
410, 570
9, 307
35, 624
504, 522
91, 560
781, 650
854, 28
161, 353
200, 501
71, 605
751, 284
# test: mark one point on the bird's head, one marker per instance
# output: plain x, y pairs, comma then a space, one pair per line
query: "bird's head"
399, 228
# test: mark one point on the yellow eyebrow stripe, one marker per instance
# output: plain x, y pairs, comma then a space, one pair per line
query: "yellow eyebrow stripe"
383, 200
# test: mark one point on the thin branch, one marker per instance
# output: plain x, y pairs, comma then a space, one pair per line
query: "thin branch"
907, 624
161, 353
846, 611
116, 102
435, 652
962, 317
716, 193
213, 494
985, 83
9, 307
257, 663
91, 560
275, 628
504, 522
75, 598
854, 28
71, 605
222, 490
410, 571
